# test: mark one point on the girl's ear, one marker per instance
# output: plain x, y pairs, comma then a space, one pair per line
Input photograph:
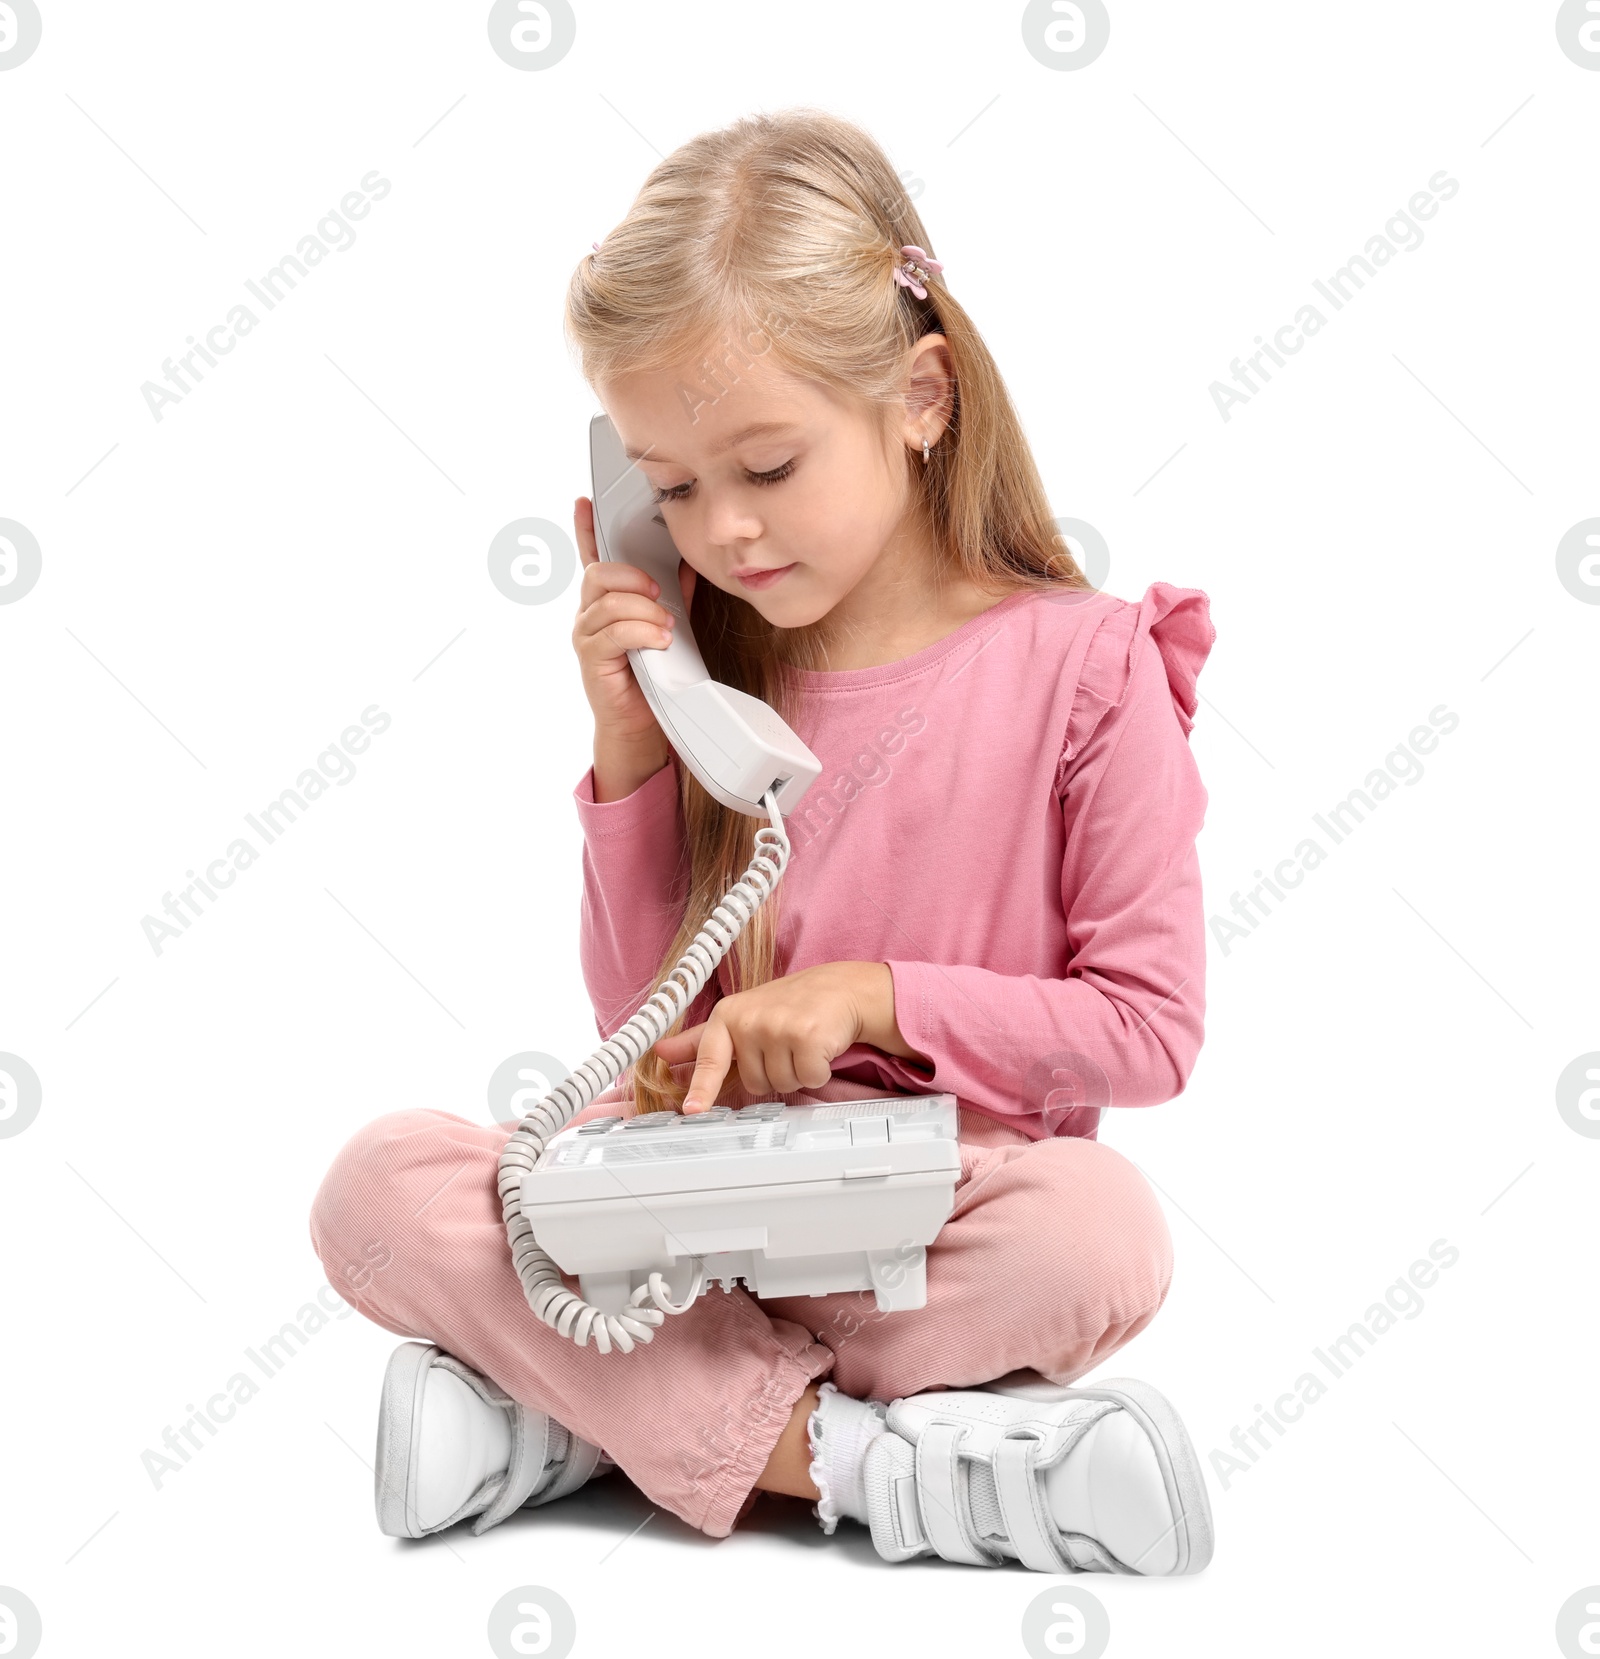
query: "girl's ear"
930, 390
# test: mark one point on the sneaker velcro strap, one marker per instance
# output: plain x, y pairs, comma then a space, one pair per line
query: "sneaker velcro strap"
530, 1447
942, 1496
582, 1457
1031, 1532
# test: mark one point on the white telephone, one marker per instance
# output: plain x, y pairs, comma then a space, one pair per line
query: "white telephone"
793, 1200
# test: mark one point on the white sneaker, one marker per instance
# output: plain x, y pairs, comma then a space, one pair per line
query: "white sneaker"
453, 1445
1099, 1479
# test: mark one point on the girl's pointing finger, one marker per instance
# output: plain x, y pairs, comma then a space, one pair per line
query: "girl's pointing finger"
716, 1055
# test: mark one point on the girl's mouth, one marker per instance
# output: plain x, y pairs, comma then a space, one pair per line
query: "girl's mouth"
764, 578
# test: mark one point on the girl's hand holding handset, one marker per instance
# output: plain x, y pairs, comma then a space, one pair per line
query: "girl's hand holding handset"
617, 612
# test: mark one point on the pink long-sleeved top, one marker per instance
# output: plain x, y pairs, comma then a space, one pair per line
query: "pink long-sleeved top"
1008, 820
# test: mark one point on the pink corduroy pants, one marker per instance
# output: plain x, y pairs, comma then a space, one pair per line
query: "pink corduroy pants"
1055, 1255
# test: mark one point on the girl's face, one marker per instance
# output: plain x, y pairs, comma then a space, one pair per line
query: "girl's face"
759, 472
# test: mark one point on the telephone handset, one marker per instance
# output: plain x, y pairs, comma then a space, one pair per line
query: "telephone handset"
734, 743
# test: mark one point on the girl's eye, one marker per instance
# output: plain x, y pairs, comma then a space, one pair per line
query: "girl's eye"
678, 491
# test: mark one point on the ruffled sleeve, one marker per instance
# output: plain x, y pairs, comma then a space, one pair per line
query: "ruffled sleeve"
1177, 622
1123, 1021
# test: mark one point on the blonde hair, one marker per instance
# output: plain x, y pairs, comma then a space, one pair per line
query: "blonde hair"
781, 233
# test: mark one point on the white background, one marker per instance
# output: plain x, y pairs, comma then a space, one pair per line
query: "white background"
223, 591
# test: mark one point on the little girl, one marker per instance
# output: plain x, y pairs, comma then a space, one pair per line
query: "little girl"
994, 892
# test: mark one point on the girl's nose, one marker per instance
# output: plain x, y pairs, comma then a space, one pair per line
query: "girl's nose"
731, 524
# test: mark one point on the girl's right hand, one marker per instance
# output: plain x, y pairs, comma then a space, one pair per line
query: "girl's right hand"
617, 612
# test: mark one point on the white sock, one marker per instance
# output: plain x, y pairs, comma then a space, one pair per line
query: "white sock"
839, 1432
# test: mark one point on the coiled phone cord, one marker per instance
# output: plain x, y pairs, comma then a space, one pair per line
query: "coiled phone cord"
557, 1306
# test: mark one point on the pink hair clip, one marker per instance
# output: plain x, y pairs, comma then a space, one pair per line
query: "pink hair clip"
916, 270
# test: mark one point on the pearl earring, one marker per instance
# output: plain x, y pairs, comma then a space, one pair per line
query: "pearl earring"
924, 452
